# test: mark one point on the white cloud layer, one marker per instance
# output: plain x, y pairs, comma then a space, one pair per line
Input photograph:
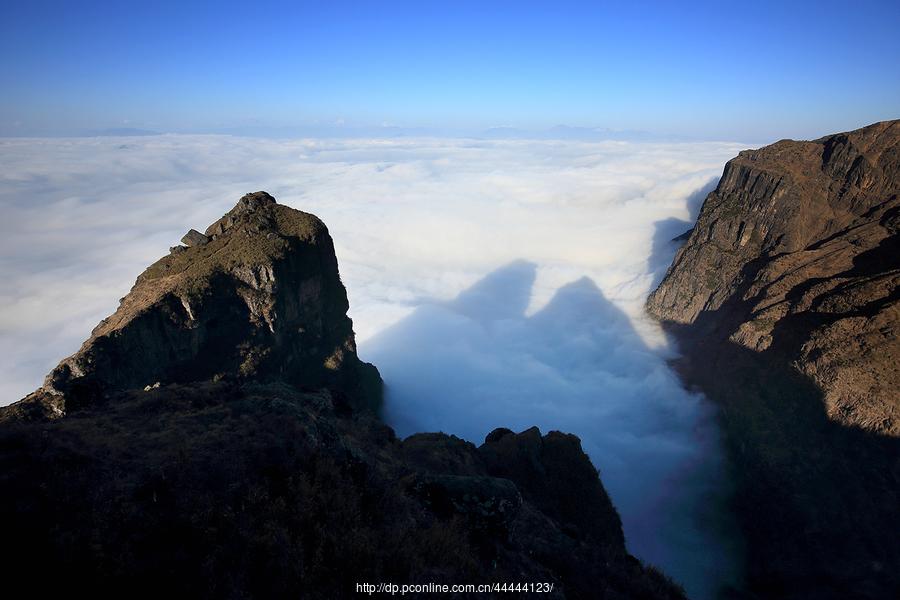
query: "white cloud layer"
494, 283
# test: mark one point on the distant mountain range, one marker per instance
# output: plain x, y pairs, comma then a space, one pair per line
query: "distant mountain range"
119, 132
326, 131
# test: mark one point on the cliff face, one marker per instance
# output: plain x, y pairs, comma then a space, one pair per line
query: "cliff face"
215, 436
257, 296
797, 251
785, 301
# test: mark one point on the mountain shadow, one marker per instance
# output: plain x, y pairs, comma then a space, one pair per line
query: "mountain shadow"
817, 501
577, 364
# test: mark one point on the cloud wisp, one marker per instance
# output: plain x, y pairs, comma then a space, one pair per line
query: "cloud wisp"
494, 283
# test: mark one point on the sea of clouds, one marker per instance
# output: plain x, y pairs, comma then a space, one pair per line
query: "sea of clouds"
493, 282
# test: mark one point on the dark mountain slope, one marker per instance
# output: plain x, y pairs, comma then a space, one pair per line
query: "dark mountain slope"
257, 467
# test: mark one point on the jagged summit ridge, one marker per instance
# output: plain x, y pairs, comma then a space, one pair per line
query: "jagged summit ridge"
257, 296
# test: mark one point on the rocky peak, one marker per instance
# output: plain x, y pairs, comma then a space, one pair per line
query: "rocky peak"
258, 296
254, 212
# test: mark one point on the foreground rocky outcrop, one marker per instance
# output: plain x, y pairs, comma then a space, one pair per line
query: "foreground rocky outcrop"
216, 438
786, 302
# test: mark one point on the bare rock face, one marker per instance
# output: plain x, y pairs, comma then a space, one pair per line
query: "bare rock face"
256, 297
786, 304
797, 251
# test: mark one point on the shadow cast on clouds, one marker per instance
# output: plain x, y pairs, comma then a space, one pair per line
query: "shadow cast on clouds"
481, 361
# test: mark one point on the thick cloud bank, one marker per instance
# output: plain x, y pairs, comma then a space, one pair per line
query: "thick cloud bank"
494, 283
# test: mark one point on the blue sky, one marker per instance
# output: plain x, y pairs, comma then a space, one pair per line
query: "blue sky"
744, 71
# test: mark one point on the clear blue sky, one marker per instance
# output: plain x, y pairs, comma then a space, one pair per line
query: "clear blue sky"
723, 70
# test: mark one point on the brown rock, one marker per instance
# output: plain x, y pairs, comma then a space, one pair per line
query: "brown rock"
798, 250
